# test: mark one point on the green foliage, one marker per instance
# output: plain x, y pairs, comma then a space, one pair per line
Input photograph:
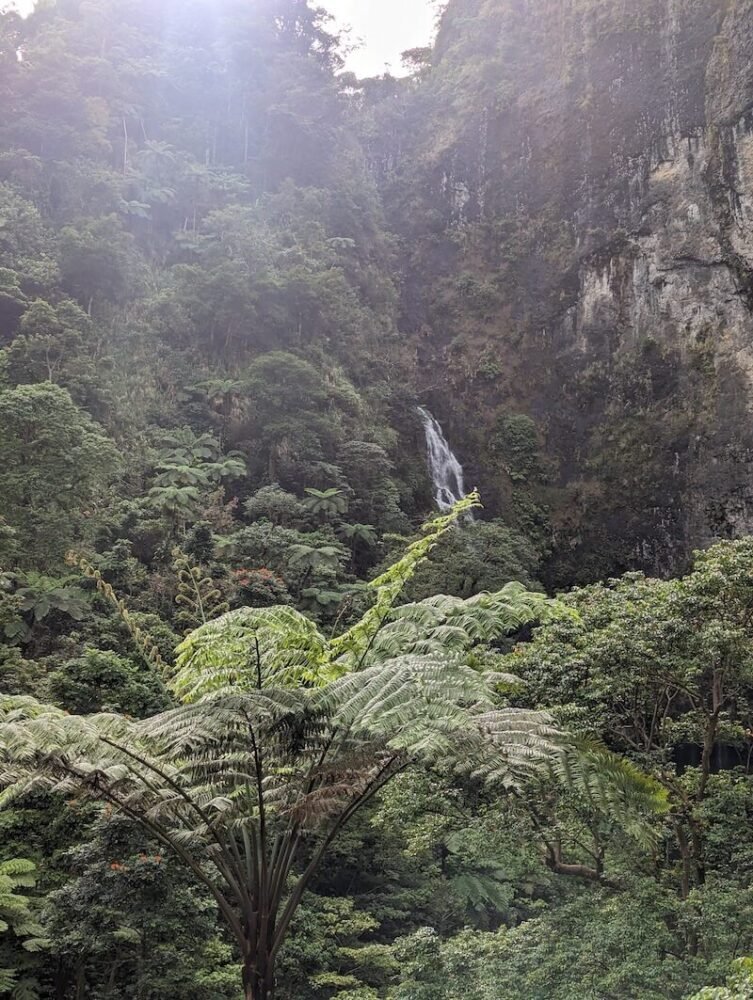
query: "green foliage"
128, 916
100, 681
190, 461
189, 469
325, 954
739, 985
55, 465
326, 503
370, 474
25, 245
449, 624
321, 560
204, 387
19, 926
483, 557
433, 971
97, 260
13, 300
274, 504
198, 595
37, 597
516, 441
660, 670
55, 344
243, 681
287, 644
142, 640
353, 645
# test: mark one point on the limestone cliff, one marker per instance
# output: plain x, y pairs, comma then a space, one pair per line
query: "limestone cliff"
573, 180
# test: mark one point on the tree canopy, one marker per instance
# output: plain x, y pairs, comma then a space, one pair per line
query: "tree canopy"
259, 729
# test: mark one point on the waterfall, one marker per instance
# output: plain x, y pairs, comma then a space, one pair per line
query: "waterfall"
446, 471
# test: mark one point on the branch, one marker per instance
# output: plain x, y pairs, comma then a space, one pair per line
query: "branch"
383, 776
162, 835
194, 805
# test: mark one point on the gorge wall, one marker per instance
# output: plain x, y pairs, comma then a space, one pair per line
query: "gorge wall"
572, 185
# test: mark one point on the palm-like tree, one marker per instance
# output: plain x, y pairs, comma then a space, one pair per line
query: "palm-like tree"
360, 534
326, 503
38, 596
198, 462
172, 474
186, 448
230, 466
280, 737
223, 395
316, 559
362, 539
180, 503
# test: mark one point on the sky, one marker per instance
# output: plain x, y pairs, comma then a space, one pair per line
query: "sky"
385, 27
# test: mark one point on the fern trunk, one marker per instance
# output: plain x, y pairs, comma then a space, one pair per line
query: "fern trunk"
259, 976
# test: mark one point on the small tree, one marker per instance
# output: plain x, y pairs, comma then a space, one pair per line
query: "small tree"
55, 463
326, 503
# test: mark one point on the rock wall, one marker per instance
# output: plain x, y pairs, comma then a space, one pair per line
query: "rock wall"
573, 180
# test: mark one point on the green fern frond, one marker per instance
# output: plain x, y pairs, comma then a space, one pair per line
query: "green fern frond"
347, 651
144, 643
444, 623
249, 648
199, 598
609, 784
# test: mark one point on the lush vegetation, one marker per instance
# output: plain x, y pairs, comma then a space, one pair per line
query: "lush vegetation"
260, 732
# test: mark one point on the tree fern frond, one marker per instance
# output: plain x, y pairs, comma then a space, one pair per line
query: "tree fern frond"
144, 642
441, 623
346, 652
249, 648
198, 597
281, 736
611, 785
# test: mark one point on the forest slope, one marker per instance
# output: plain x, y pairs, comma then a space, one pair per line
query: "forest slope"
229, 274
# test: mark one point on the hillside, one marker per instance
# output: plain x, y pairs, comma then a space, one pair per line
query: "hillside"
282, 715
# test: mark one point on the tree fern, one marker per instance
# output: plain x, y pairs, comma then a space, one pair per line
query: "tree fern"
198, 596
242, 774
441, 623
609, 784
350, 649
281, 736
249, 648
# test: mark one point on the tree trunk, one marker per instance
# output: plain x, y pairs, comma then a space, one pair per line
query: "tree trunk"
259, 979
682, 844
259, 990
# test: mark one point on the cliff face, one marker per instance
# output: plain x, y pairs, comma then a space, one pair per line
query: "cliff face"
575, 182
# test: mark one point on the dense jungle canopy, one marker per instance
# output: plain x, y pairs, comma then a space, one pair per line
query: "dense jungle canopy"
272, 725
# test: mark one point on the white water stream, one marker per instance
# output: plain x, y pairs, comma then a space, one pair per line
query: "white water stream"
446, 471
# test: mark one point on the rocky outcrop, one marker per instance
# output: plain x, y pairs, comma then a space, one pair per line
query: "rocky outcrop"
581, 234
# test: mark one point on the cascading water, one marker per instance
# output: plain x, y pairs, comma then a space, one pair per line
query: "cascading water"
446, 471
